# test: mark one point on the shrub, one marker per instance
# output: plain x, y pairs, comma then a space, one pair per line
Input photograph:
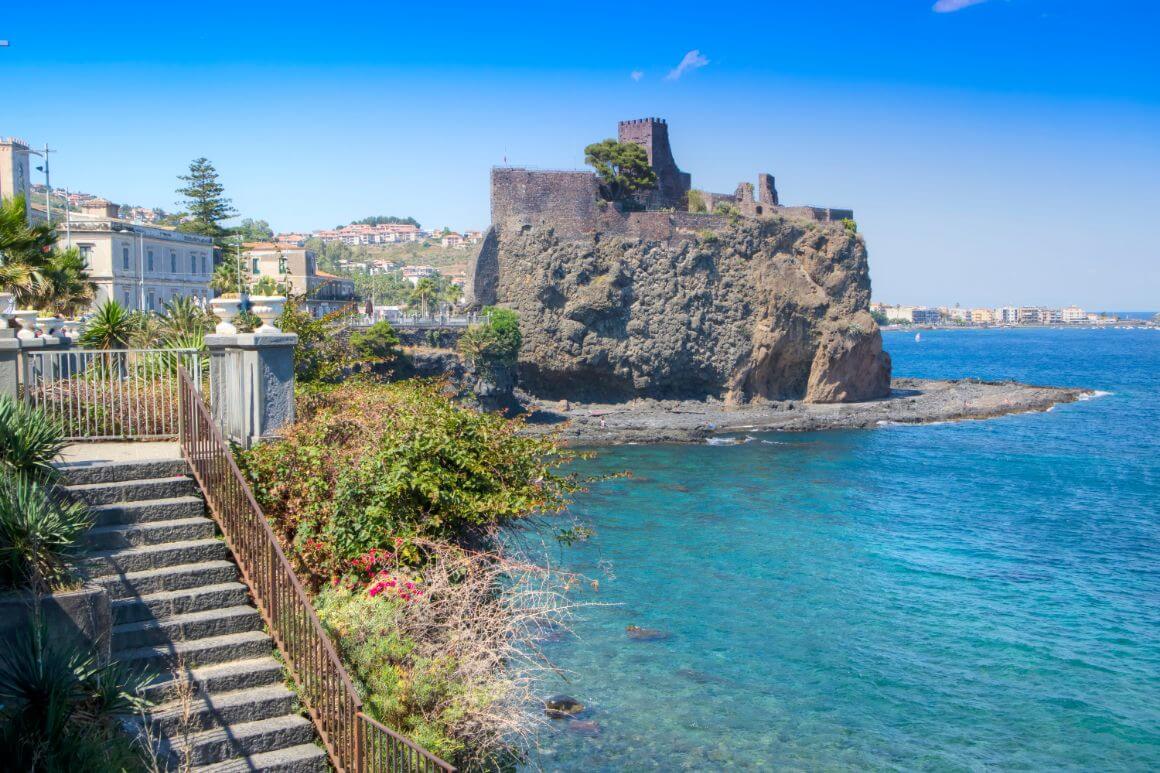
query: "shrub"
850, 225
707, 236
39, 535
29, 441
495, 342
449, 661
696, 201
321, 354
368, 462
60, 710
378, 343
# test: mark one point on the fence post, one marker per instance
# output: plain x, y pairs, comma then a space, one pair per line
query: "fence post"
251, 384
9, 362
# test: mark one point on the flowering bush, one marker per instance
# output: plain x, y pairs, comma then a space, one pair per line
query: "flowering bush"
389, 465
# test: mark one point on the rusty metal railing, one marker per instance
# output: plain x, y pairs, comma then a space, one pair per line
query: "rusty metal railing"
354, 741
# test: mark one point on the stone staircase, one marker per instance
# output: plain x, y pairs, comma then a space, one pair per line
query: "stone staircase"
180, 611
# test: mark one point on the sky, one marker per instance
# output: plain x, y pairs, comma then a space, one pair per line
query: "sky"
993, 151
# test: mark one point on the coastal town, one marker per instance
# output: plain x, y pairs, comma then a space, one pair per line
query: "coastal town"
1003, 316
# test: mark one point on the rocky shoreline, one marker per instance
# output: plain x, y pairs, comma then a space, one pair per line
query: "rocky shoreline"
911, 401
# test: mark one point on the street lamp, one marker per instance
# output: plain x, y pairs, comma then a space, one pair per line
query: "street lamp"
121, 228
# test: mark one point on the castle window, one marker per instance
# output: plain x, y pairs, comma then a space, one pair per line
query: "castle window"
759, 210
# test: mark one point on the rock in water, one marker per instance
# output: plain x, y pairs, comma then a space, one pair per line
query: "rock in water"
585, 727
652, 305
636, 633
560, 706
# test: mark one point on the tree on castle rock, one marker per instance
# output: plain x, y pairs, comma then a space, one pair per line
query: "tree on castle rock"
622, 168
205, 200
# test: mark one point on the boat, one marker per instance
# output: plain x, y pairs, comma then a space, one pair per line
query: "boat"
917, 337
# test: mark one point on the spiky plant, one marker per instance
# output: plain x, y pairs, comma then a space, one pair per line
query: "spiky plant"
60, 709
182, 316
29, 441
111, 327
39, 535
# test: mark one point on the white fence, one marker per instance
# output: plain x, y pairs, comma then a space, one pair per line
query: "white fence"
109, 394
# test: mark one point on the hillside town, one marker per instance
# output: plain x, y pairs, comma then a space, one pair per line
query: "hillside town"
145, 257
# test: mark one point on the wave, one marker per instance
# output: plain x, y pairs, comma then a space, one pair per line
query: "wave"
1092, 395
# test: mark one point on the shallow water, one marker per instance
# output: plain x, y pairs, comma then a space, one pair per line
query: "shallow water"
959, 596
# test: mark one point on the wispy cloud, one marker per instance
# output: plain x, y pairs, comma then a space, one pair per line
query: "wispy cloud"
950, 6
691, 61
637, 75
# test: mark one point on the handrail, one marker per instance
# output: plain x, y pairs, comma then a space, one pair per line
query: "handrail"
354, 741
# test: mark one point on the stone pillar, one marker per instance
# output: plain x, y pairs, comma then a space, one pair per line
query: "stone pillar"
251, 384
10, 348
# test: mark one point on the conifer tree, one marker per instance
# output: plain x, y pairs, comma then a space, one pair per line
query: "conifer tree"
205, 200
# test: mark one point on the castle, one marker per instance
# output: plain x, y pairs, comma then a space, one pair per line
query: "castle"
569, 200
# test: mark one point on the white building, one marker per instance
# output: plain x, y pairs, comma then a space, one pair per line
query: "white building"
139, 266
1073, 315
414, 273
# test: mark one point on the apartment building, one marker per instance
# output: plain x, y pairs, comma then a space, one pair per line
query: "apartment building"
140, 266
297, 267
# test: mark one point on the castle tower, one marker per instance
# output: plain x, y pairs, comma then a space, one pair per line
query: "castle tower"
652, 134
14, 171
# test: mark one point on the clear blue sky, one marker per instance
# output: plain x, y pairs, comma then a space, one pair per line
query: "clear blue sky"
1006, 151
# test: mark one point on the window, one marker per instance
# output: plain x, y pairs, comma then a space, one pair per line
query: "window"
203, 263
173, 261
193, 262
283, 266
152, 301
86, 251
255, 270
125, 298
125, 256
149, 259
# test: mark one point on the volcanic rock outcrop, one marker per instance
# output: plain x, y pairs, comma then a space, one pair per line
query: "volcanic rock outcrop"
672, 306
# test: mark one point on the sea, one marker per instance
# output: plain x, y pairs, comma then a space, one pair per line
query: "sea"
959, 596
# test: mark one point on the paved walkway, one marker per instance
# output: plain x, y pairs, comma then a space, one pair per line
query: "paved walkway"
120, 452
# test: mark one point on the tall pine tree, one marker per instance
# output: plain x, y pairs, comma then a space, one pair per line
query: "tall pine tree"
205, 201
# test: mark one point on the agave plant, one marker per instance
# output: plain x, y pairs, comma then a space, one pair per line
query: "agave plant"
61, 710
110, 327
182, 316
29, 441
40, 535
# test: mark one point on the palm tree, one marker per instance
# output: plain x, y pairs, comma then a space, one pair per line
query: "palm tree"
24, 251
425, 291
64, 286
112, 326
181, 316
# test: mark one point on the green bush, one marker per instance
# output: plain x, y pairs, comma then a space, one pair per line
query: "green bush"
29, 441
60, 710
696, 201
368, 462
850, 225
495, 342
39, 535
378, 343
401, 688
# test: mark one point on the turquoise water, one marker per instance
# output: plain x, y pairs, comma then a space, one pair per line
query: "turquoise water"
949, 597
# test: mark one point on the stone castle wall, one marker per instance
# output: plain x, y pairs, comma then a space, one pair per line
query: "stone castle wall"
565, 200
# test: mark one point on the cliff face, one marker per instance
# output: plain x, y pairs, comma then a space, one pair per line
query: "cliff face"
769, 308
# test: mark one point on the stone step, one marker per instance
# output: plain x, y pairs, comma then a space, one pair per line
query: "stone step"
132, 490
162, 659
303, 758
137, 559
242, 739
223, 677
127, 535
165, 604
167, 578
188, 627
204, 712
79, 473
148, 510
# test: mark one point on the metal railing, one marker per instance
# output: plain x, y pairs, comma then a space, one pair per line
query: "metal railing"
354, 741
109, 394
